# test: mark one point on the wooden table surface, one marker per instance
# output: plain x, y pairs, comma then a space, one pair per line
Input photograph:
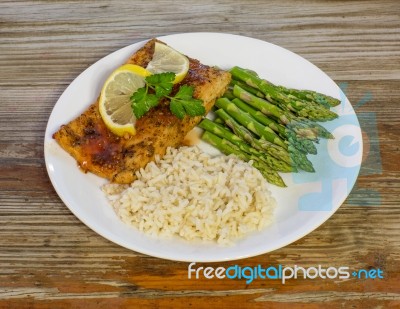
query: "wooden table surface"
49, 259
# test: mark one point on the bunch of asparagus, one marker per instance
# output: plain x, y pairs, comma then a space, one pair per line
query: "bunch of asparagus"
273, 126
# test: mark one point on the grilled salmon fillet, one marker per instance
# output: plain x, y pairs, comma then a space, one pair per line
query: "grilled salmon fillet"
98, 150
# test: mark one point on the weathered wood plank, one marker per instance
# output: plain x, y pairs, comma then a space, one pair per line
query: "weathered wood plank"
49, 259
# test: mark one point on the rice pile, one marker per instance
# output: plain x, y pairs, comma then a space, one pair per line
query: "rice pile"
195, 196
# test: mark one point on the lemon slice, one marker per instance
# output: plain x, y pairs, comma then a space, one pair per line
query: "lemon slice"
167, 59
115, 104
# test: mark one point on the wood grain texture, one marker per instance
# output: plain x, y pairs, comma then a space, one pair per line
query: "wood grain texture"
49, 259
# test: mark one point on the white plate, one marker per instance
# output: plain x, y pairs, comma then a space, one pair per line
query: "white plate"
309, 200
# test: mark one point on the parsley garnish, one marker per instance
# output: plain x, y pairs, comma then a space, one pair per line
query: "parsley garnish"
181, 104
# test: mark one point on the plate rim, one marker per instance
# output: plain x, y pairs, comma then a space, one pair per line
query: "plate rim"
326, 214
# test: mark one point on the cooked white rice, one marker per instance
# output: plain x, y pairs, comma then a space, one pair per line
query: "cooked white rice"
195, 196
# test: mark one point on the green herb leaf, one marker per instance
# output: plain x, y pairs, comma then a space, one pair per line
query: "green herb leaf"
180, 105
183, 103
177, 109
142, 102
185, 92
161, 83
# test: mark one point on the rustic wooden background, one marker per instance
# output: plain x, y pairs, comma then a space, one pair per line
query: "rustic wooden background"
49, 259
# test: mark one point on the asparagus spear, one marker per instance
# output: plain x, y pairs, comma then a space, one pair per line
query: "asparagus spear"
302, 95
251, 72
302, 144
292, 156
248, 88
302, 126
229, 94
299, 158
322, 97
262, 105
311, 96
228, 148
249, 122
219, 121
260, 117
225, 133
308, 109
262, 145
308, 95
312, 111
